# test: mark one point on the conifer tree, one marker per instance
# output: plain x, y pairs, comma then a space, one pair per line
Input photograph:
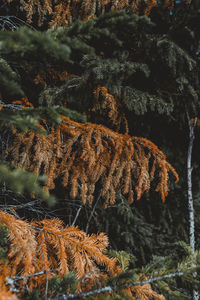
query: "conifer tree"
125, 74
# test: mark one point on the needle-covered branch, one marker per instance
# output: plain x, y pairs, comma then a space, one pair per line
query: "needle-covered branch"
84, 154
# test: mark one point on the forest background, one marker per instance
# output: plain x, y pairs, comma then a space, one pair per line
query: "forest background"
90, 91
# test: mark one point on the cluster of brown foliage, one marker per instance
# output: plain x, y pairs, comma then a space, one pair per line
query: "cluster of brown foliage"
107, 110
50, 75
51, 249
63, 12
81, 155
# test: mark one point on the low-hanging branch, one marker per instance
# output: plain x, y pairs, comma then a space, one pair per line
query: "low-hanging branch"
63, 12
81, 155
43, 246
111, 289
41, 249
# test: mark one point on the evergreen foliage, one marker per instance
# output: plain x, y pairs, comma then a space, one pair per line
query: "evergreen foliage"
14, 117
22, 182
128, 76
3, 243
68, 284
8, 76
157, 76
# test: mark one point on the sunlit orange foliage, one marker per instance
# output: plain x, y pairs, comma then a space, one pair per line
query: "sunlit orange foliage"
7, 295
63, 12
24, 102
49, 246
52, 249
82, 154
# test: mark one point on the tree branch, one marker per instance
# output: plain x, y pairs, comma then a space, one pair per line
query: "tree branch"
110, 289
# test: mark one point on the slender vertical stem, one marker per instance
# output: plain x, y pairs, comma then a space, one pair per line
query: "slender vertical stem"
76, 217
92, 213
189, 181
190, 196
46, 288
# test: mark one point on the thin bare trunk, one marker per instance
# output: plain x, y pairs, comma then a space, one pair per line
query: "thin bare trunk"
191, 126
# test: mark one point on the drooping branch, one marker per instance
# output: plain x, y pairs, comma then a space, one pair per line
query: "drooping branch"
63, 13
45, 248
89, 154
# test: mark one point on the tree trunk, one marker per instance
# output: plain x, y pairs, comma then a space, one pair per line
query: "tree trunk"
190, 196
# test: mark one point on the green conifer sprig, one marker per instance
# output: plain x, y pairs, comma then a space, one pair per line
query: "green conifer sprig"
23, 182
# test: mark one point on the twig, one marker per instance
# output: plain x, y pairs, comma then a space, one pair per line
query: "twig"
92, 213
82, 279
11, 106
46, 287
13, 23
16, 278
31, 203
76, 217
